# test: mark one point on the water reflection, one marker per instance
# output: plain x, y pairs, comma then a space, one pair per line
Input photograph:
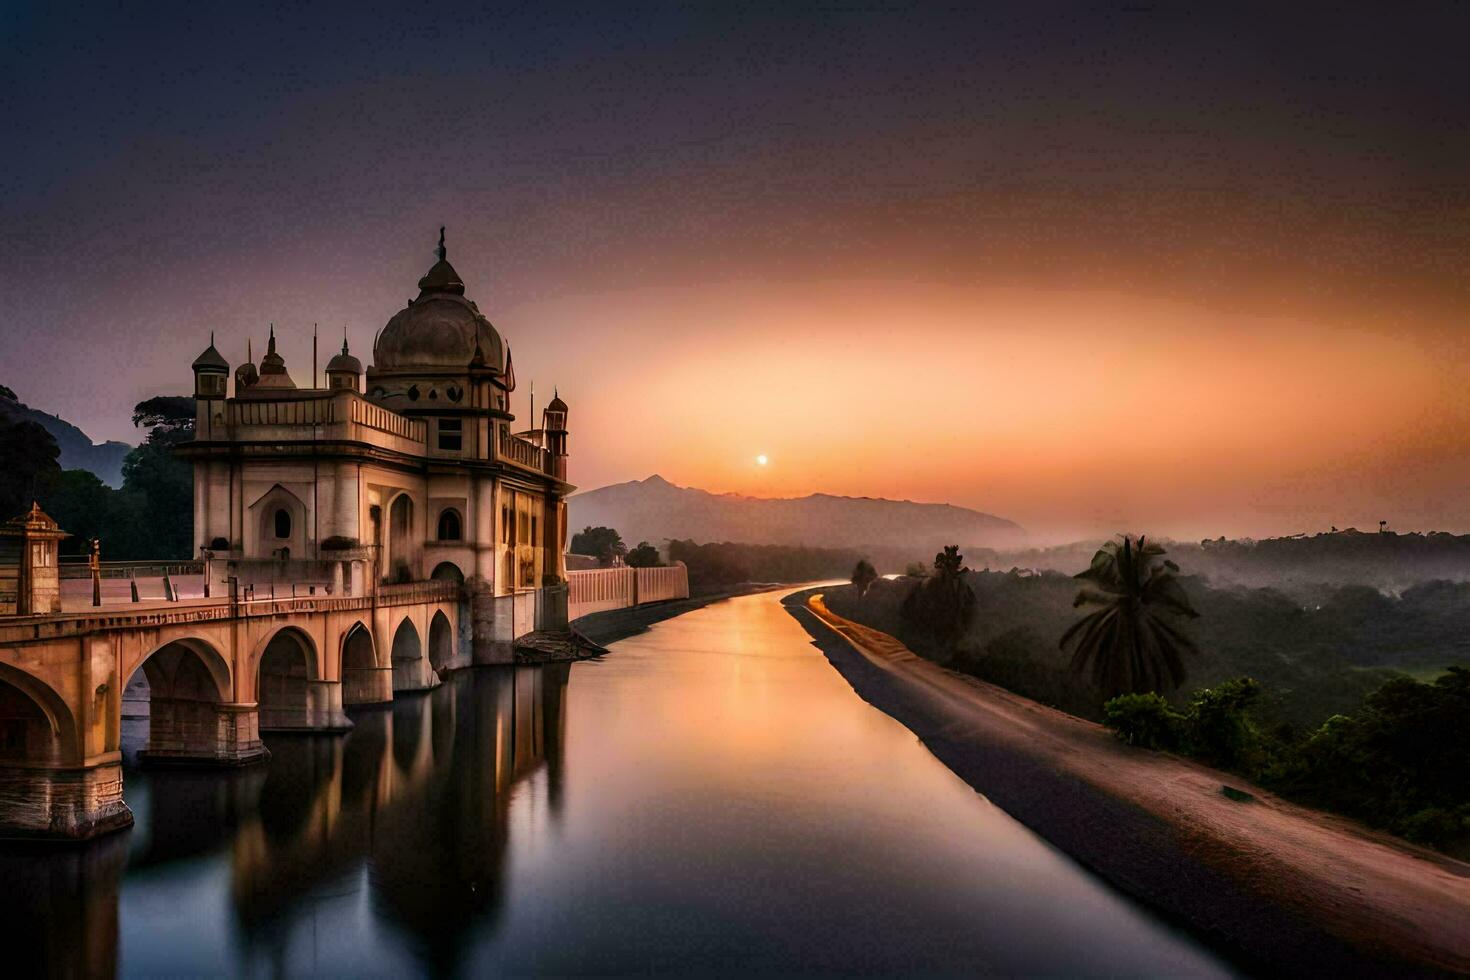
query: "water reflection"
412, 804
710, 798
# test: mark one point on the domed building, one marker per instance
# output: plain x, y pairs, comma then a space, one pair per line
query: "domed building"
405, 472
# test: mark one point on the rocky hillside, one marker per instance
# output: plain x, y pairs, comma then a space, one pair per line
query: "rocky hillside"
78, 452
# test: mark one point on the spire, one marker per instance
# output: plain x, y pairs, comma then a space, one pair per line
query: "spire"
510, 371
344, 338
271, 345
443, 252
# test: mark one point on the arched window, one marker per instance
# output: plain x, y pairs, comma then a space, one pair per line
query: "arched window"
283, 523
449, 529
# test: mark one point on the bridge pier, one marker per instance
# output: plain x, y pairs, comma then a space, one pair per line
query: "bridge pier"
320, 710
191, 733
71, 803
366, 685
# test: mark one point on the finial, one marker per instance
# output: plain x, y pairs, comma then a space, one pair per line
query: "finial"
271, 344
443, 252
344, 338
211, 338
248, 356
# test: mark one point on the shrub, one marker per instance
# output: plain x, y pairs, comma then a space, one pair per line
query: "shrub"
1218, 727
863, 575
1145, 720
643, 556
915, 569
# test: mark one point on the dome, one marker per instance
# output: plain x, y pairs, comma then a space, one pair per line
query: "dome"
440, 329
246, 375
557, 405
344, 363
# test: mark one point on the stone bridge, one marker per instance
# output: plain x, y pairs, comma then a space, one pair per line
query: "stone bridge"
209, 676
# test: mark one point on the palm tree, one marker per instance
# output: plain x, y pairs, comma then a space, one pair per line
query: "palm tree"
1127, 642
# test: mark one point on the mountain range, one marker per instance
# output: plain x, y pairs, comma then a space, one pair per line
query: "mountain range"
654, 510
78, 452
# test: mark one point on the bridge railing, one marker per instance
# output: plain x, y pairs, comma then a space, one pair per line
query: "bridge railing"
80, 568
23, 628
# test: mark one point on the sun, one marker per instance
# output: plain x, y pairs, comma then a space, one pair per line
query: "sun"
761, 460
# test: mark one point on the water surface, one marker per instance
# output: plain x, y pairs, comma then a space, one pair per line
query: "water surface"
712, 797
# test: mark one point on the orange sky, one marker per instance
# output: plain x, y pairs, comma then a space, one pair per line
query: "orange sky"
1069, 412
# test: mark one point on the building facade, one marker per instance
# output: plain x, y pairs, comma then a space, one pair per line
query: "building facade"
407, 471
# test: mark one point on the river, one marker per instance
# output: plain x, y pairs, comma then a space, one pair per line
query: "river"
710, 797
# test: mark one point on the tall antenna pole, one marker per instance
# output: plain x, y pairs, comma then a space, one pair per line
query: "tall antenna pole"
313, 355
531, 422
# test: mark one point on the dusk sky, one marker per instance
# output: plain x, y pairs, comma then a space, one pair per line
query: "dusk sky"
1147, 268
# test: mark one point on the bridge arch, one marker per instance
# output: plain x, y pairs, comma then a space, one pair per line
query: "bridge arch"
203, 651
35, 723
358, 649
363, 679
411, 671
171, 700
285, 668
441, 642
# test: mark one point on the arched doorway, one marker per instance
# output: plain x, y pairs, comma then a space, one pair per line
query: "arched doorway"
280, 525
400, 540
287, 668
410, 668
170, 708
441, 643
362, 681
447, 571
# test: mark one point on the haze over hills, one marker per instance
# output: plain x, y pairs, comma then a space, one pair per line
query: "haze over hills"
655, 510
78, 451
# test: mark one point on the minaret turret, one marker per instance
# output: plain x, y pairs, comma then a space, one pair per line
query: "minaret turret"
344, 372
554, 424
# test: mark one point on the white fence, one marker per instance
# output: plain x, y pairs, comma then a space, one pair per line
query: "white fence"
600, 589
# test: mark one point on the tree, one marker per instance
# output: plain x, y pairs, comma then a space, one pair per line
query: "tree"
161, 484
1126, 642
915, 569
28, 467
643, 556
602, 543
863, 575
169, 419
943, 604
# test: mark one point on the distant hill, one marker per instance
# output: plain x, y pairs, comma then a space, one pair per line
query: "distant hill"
78, 452
655, 510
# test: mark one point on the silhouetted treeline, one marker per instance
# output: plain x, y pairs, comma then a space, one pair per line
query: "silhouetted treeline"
717, 567
1308, 568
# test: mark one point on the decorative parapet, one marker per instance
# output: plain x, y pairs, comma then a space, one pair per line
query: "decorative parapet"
514, 449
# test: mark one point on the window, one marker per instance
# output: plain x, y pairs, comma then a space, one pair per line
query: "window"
450, 434
449, 529
283, 524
